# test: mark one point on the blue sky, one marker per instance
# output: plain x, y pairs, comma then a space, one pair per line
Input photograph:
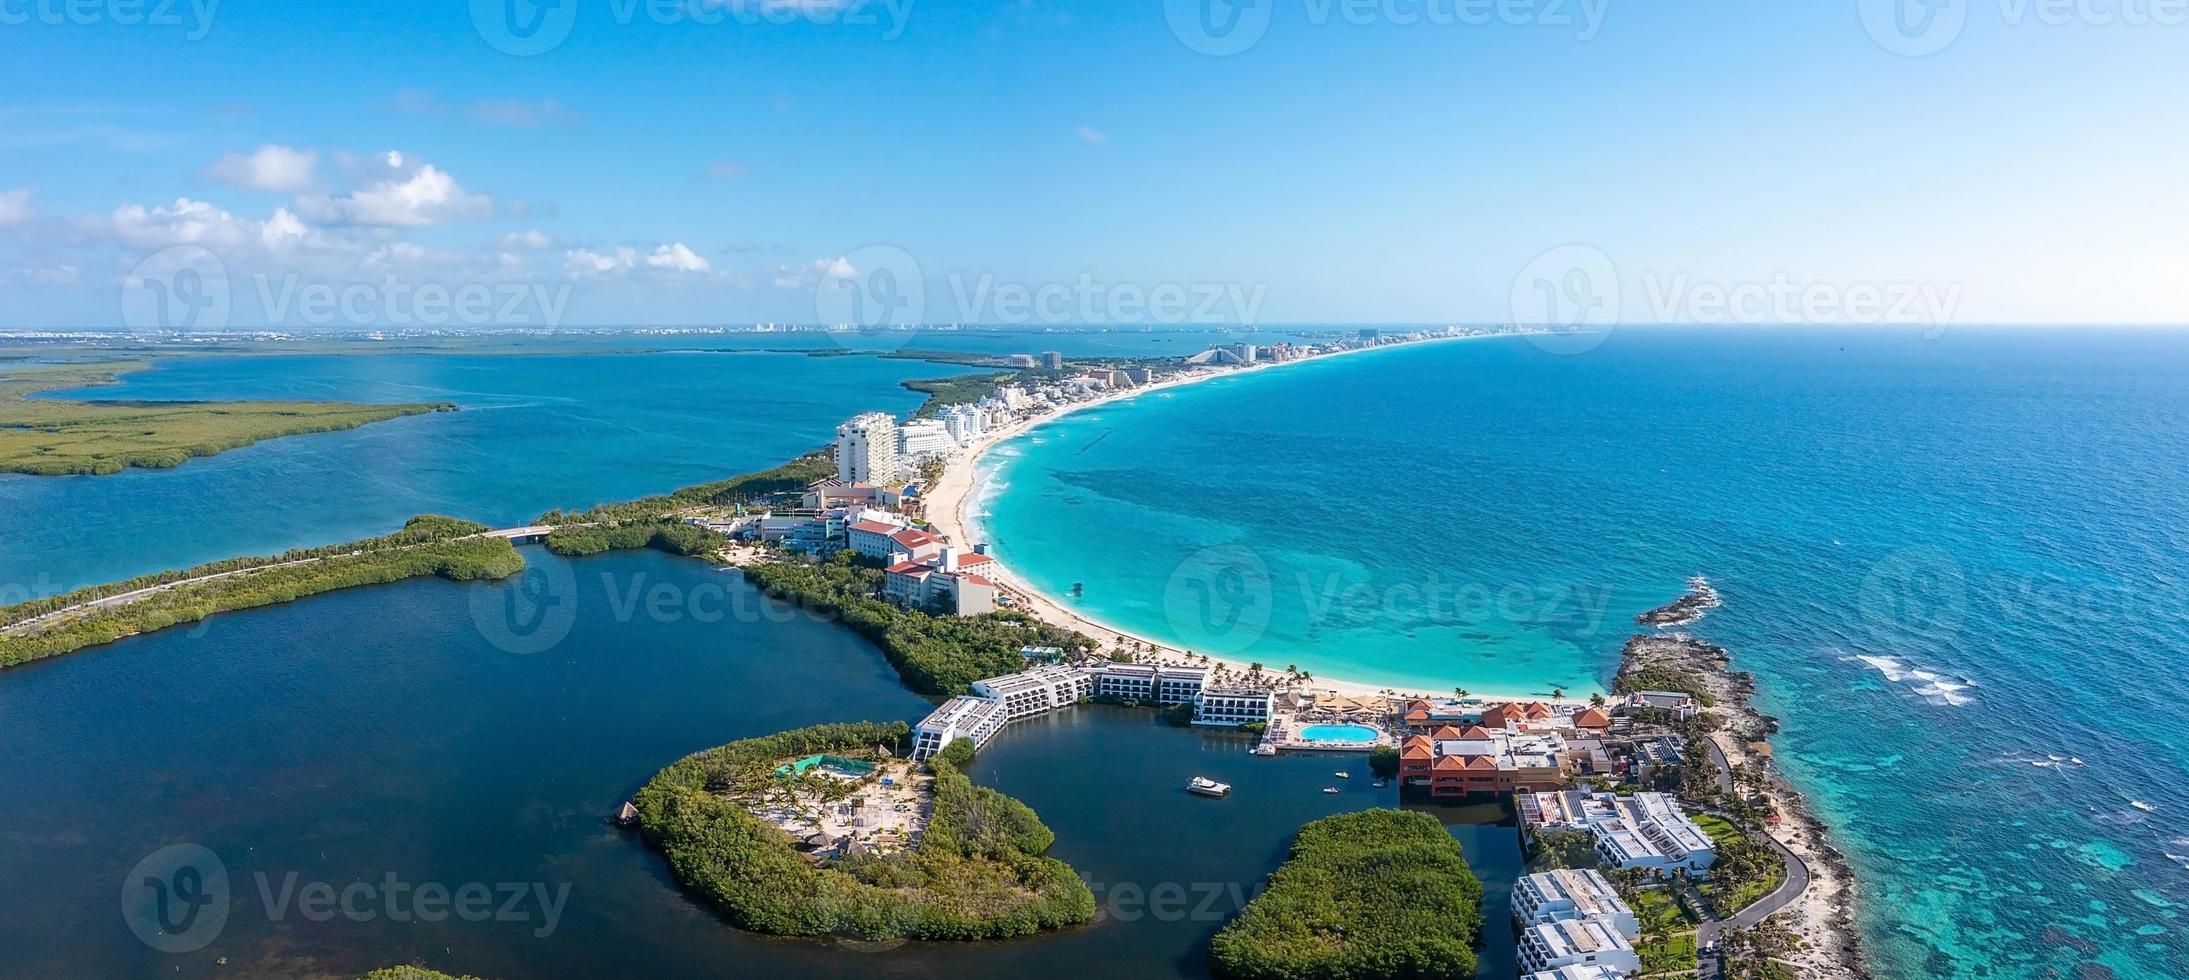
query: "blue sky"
1368, 162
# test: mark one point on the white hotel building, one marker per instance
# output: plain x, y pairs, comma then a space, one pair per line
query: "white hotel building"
1566, 895
923, 439
1549, 946
866, 449
1032, 692
1646, 830
1148, 683
978, 719
1230, 706
1578, 973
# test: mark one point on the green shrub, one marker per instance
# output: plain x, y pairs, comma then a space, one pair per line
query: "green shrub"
980, 871
1380, 893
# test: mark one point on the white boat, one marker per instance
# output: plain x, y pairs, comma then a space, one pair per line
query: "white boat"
1330, 789
1208, 787
1265, 749
1343, 775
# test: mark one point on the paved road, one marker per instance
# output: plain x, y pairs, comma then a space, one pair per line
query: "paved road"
1797, 881
126, 598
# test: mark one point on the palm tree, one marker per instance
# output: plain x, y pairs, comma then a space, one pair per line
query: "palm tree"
1558, 694
1459, 692
1596, 700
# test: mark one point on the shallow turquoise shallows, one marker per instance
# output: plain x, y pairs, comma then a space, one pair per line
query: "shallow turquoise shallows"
1959, 566
1359, 734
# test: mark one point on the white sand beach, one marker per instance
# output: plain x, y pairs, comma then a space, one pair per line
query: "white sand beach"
949, 503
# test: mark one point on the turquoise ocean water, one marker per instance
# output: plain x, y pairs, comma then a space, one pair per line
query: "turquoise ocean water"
1959, 566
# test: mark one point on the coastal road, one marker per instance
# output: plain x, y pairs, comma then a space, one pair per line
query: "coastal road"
137, 595
1797, 881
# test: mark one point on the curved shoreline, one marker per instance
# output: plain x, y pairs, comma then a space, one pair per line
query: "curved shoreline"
950, 500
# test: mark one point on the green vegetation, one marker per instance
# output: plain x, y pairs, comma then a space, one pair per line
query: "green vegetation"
1668, 931
427, 545
1564, 849
55, 437
1667, 954
1381, 893
672, 536
979, 872
1665, 679
1752, 954
790, 477
933, 654
1383, 761
962, 390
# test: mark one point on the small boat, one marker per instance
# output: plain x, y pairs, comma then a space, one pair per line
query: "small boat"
1330, 789
1265, 749
1379, 784
1208, 787
1343, 775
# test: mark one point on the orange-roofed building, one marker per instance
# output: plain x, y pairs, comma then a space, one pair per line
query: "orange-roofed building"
1592, 719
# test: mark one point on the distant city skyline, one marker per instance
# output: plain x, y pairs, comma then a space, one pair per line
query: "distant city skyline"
219, 165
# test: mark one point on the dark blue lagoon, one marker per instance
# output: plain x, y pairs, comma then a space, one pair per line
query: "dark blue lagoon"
397, 736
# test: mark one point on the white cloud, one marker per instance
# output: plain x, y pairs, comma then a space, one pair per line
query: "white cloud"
1093, 135
34, 275
667, 259
269, 168
532, 240
674, 257
405, 197
15, 205
793, 277
585, 261
187, 222
727, 169
282, 230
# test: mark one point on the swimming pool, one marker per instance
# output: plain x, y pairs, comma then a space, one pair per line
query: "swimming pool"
1352, 734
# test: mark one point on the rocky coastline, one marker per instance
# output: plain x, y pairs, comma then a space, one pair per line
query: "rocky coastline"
1699, 600
1823, 915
